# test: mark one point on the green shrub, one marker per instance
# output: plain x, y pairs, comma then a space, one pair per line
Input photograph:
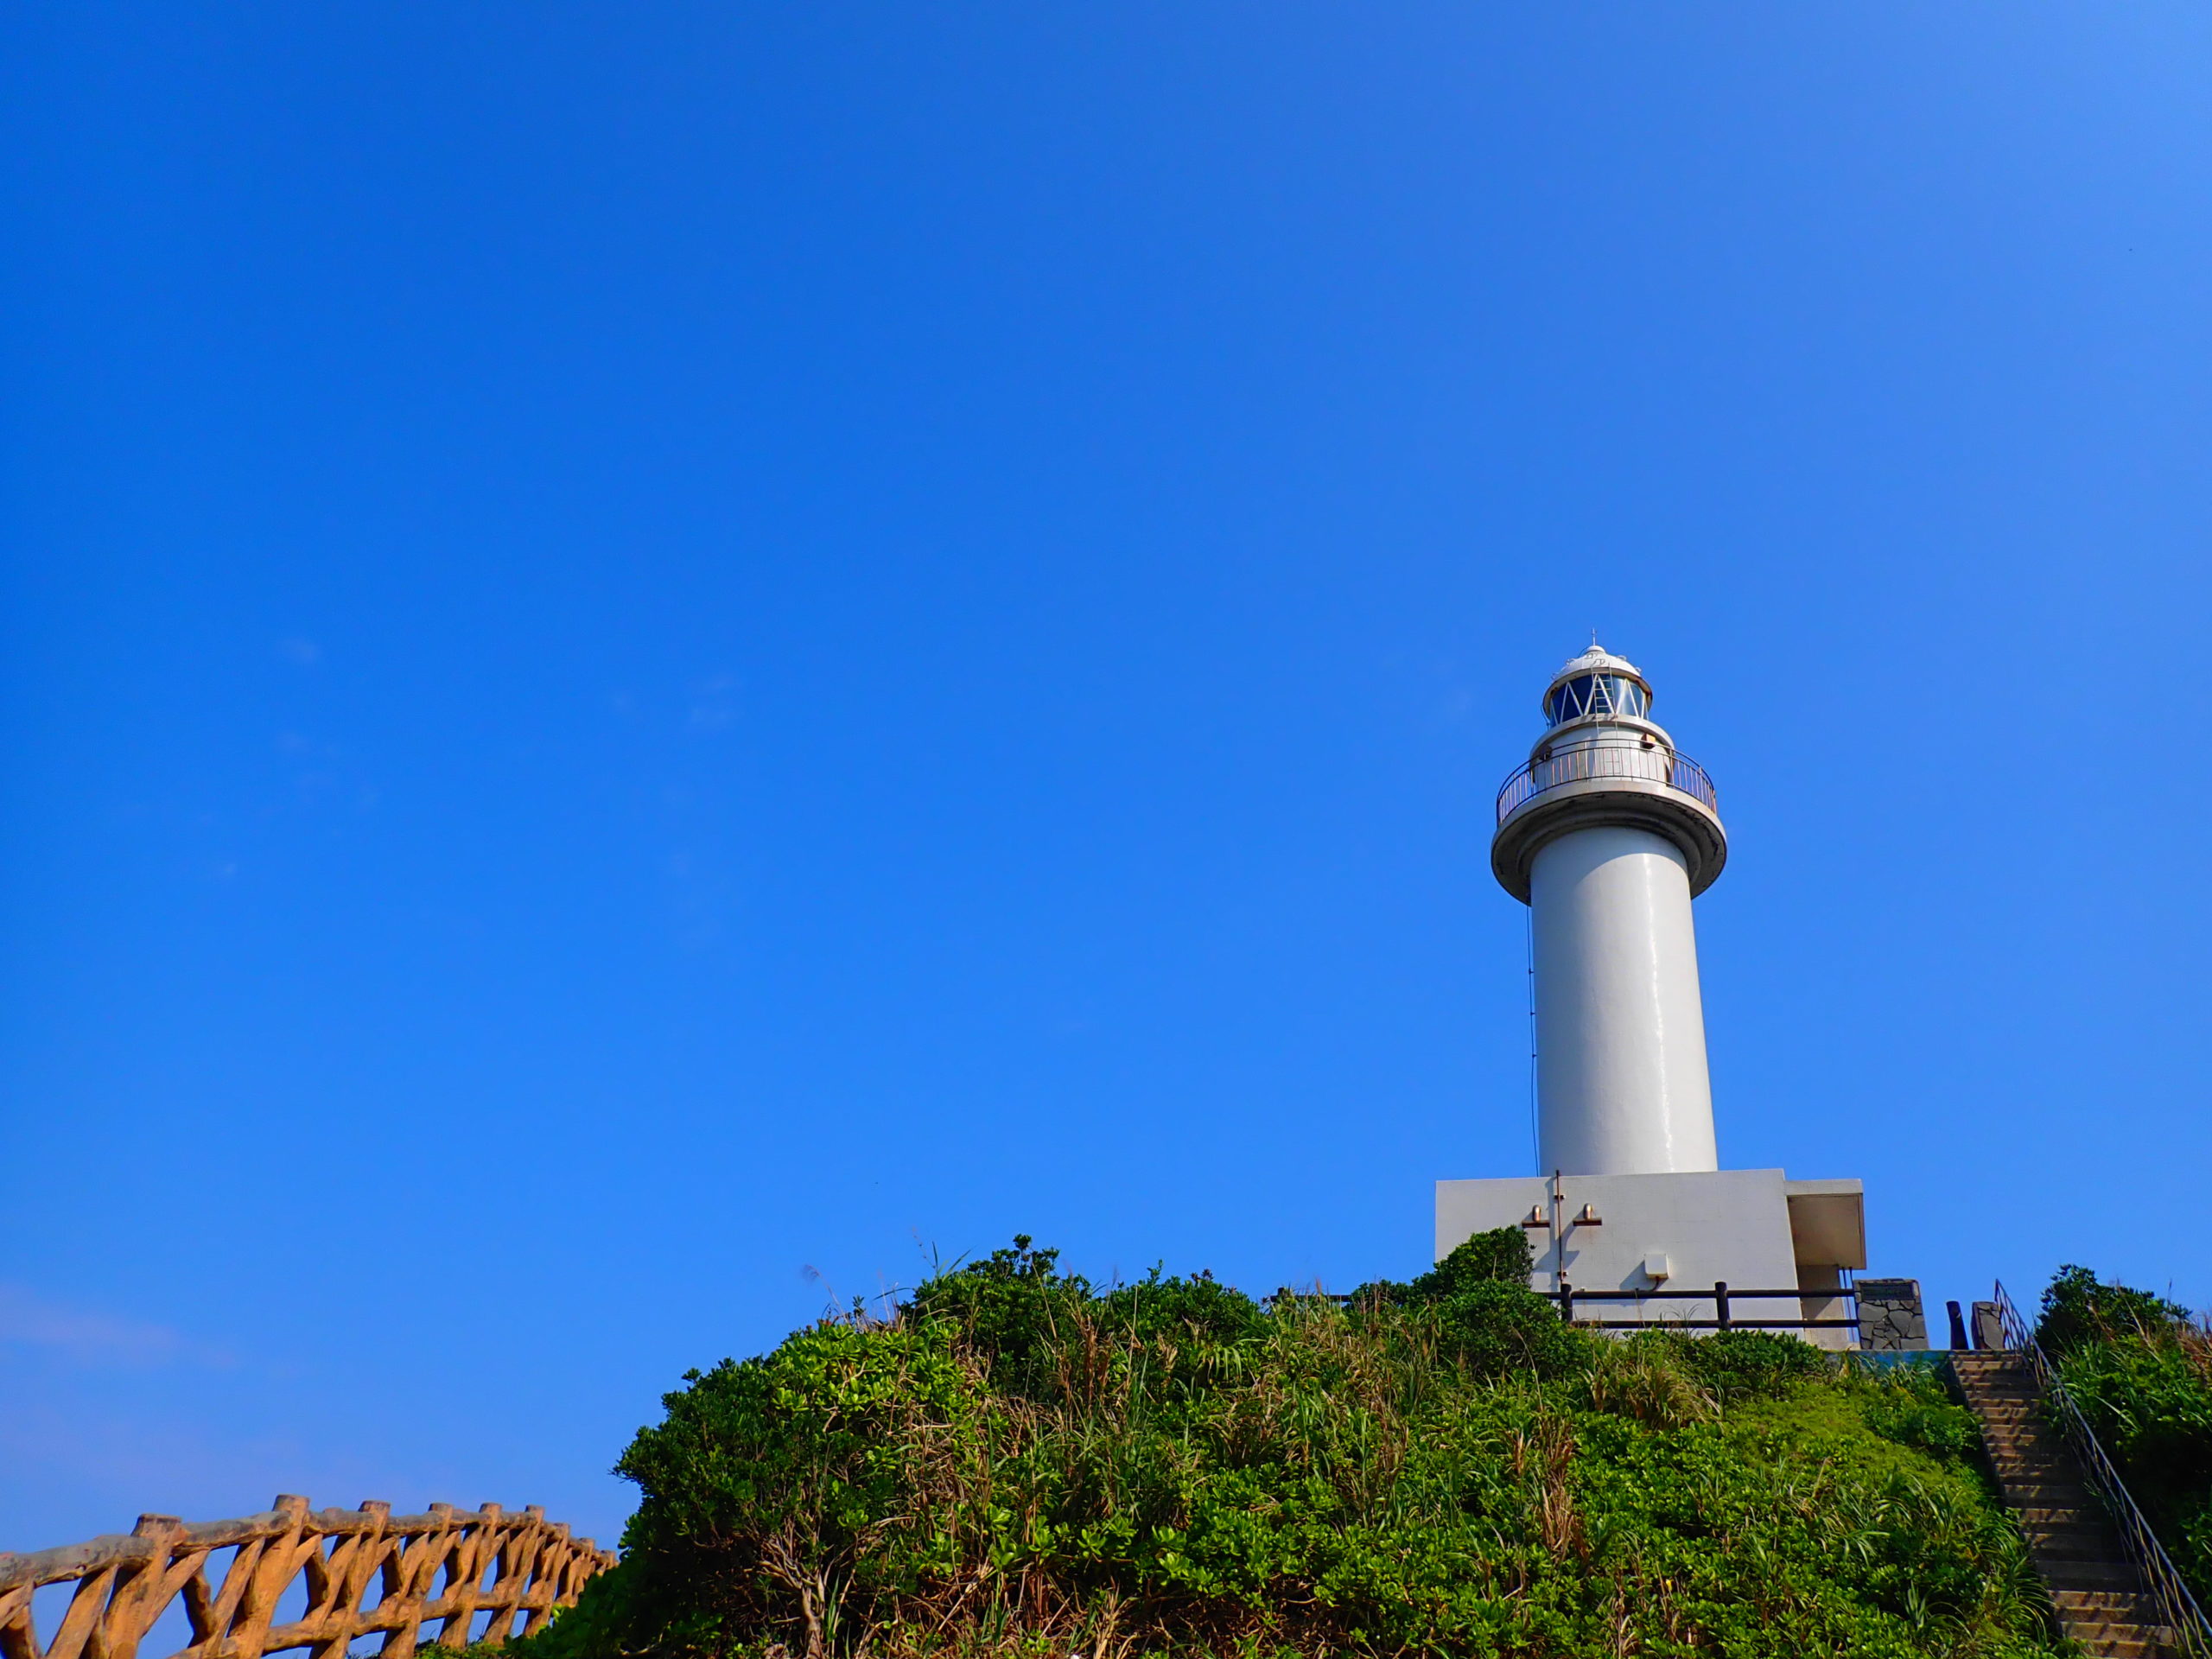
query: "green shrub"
1009, 1308
771, 1488
1912, 1405
598, 1626
1736, 1364
1500, 1329
2077, 1309
1021, 1464
2142, 1375
1503, 1255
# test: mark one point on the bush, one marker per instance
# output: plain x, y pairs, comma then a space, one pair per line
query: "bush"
771, 1493
1500, 1329
1912, 1405
1009, 1308
1503, 1255
2077, 1309
1022, 1463
2142, 1375
1736, 1364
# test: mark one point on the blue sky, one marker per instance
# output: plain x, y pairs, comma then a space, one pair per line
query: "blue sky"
655, 659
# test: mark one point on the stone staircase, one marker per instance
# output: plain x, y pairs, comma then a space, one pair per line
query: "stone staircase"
2098, 1595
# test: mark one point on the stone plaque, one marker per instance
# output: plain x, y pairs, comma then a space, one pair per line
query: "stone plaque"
1890, 1319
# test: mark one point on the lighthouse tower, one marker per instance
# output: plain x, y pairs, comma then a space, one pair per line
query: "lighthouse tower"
1607, 834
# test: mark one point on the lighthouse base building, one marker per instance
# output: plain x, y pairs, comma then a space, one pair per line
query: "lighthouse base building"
1607, 834
1654, 1248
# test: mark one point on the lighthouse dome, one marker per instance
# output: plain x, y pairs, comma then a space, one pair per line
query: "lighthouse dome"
1597, 683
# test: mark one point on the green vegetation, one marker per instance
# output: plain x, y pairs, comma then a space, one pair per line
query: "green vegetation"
2141, 1371
1021, 1462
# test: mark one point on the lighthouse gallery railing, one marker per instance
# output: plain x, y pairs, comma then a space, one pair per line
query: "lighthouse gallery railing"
1586, 761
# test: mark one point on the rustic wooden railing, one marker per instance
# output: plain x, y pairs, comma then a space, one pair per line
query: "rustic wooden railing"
367, 1571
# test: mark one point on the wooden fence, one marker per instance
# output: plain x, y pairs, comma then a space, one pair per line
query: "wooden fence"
367, 1571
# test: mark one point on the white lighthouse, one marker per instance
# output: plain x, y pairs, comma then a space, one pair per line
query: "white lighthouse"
1607, 834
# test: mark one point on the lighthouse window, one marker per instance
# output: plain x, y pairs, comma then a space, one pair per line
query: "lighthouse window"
1597, 694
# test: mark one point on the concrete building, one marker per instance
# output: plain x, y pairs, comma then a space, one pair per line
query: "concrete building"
1607, 834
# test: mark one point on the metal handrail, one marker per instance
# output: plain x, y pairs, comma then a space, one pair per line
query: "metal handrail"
1584, 761
2178, 1608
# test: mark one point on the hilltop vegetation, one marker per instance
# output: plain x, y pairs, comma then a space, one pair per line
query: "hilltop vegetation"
2141, 1370
1022, 1462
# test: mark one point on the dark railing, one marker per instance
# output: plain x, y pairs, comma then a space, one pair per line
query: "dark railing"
2178, 1609
1583, 762
1723, 1297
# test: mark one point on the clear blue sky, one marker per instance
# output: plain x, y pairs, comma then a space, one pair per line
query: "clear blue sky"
646, 648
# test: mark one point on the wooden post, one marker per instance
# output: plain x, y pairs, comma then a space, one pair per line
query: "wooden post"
139, 1598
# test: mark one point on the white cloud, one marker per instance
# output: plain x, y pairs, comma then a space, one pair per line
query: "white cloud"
90, 1338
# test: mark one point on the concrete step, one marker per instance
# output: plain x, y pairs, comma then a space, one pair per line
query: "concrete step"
2102, 1635
2090, 1631
2017, 1498
2076, 1529
2041, 1493
2119, 1578
2031, 1516
2115, 1606
2086, 1547
2057, 1476
2140, 1620
2122, 1641
2027, 1469
2072, 1543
